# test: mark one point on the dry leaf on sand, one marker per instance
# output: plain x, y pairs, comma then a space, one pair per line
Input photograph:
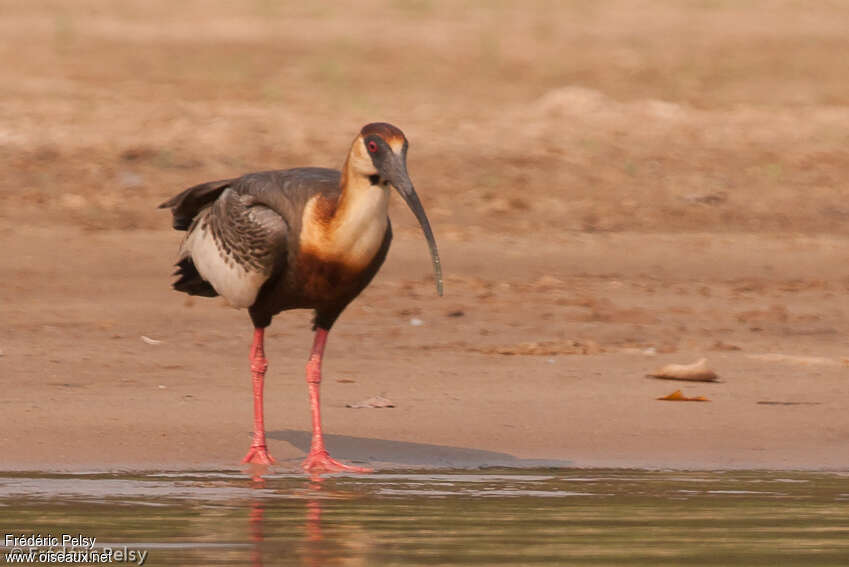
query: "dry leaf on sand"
696, 372
678, 396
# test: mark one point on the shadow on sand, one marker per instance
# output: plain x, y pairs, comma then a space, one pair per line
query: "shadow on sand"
364, 449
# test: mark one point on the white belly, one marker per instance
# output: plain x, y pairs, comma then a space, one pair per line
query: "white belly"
231, 280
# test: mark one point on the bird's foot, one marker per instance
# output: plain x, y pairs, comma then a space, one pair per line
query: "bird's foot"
258, 454
320, 461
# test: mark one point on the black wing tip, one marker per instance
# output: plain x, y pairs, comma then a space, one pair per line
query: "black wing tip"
186, 204
172, 202
190, 280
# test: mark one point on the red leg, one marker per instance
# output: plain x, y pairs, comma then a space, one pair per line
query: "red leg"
319, 460
258, 452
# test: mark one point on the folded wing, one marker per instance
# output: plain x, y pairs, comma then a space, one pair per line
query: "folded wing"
233, 245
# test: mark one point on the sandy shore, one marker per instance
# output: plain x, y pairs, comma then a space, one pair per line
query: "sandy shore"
537, 355
674, 188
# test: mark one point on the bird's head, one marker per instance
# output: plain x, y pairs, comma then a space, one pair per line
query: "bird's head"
379, 154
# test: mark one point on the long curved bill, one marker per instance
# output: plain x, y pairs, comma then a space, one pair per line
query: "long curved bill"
398, 177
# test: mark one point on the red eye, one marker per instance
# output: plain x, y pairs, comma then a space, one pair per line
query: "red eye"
372, 146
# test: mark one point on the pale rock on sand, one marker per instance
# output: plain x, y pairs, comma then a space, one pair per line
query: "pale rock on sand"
697, 372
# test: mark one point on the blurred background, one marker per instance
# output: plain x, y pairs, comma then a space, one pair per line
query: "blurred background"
524, 117
638, 182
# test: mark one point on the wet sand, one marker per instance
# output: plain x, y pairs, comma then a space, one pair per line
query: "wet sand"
540, 364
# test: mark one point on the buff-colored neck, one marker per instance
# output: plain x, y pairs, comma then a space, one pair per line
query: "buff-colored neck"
355, 230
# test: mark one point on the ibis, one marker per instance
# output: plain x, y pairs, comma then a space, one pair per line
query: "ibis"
302, 238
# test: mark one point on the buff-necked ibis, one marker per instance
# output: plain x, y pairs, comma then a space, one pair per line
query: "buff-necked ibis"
303, 238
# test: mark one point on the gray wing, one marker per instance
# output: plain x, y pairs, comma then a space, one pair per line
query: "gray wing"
236, 244
240, 230
287, 191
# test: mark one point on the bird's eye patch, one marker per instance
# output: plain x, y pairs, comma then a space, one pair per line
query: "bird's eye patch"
372, 146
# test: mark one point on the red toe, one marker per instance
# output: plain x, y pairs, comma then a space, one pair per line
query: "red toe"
320, 461
258, 454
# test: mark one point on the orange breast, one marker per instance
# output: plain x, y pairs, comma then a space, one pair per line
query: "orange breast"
348, 233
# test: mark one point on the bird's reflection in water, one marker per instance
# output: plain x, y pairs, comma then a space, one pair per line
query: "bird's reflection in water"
256, 517
314, 553
313, 528
315, 549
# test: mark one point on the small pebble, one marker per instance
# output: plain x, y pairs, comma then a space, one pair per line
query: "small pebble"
415, 322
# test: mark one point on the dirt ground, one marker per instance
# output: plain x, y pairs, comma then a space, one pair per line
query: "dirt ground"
614, 186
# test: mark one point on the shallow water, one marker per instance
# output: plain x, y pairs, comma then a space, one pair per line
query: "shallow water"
490, 517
